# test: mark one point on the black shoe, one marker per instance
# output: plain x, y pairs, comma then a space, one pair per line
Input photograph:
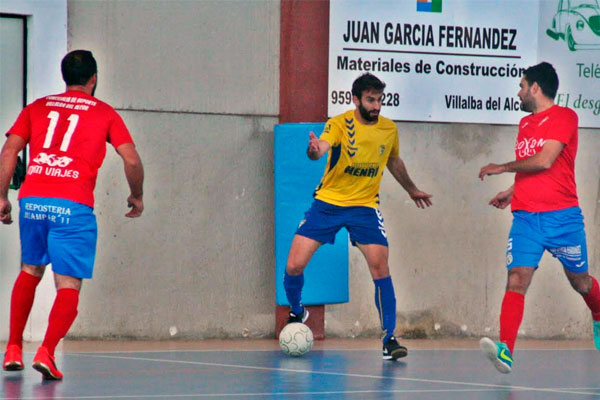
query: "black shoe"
298, 318
392, 350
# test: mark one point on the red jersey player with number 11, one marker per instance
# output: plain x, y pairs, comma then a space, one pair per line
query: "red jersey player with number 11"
67, 135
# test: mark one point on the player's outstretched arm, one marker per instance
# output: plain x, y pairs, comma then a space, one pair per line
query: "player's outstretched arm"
8, 162
316, 147
398, 170
134, 172
537, 162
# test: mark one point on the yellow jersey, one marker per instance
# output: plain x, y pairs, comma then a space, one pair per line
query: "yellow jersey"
356, 160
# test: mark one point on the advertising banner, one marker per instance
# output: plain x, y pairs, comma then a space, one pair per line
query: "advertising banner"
462, 60
569, 38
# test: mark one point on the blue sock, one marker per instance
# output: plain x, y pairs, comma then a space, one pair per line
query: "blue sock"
385, 300
293, 291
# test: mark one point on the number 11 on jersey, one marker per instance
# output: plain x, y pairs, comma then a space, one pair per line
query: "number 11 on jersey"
54, 116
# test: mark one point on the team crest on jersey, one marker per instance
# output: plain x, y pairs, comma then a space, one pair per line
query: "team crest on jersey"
327, 128
381, 150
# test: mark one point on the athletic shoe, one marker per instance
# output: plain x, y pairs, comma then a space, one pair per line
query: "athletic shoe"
44, 363
392, 350
13, 358
597, 334
298, 318
498, 354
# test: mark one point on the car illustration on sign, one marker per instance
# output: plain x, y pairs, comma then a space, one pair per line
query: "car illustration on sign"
578, 23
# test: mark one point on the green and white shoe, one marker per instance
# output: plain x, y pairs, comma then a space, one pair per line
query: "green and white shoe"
498, 354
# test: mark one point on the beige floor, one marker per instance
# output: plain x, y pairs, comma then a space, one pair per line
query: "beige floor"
70, 346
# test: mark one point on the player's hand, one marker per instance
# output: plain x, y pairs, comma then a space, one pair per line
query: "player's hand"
502, 199
491, 169
5, 209
421, 199
313, 144
137, 206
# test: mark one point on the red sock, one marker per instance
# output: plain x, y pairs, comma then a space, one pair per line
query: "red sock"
592, 299
61, 318
21, 302
511, 316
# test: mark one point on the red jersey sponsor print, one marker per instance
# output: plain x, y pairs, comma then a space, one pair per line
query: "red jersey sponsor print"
67, 136
554, 188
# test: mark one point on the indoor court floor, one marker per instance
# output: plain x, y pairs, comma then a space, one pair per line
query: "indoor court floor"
334, 369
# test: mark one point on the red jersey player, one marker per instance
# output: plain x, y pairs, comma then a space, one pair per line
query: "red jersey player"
67, 135
546, 213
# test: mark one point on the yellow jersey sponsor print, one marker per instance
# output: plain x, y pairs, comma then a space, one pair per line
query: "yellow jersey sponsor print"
356, 160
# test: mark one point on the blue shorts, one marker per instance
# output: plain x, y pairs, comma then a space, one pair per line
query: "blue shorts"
560, 232
323, 220
60, 232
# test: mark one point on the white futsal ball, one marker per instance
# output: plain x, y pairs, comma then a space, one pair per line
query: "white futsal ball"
296, 339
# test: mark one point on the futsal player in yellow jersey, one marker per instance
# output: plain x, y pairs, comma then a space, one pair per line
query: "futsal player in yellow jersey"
359, 143
358, 156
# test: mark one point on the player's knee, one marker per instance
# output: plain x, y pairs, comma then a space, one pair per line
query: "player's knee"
294, 269
380, 270
518, 283
67, 282
581, 284
35, 270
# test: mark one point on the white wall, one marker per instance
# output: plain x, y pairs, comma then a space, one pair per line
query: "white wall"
47, 44
209, 57
197, 84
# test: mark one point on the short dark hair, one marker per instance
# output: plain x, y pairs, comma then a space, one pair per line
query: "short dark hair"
545, 76
366, 81
78, 67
